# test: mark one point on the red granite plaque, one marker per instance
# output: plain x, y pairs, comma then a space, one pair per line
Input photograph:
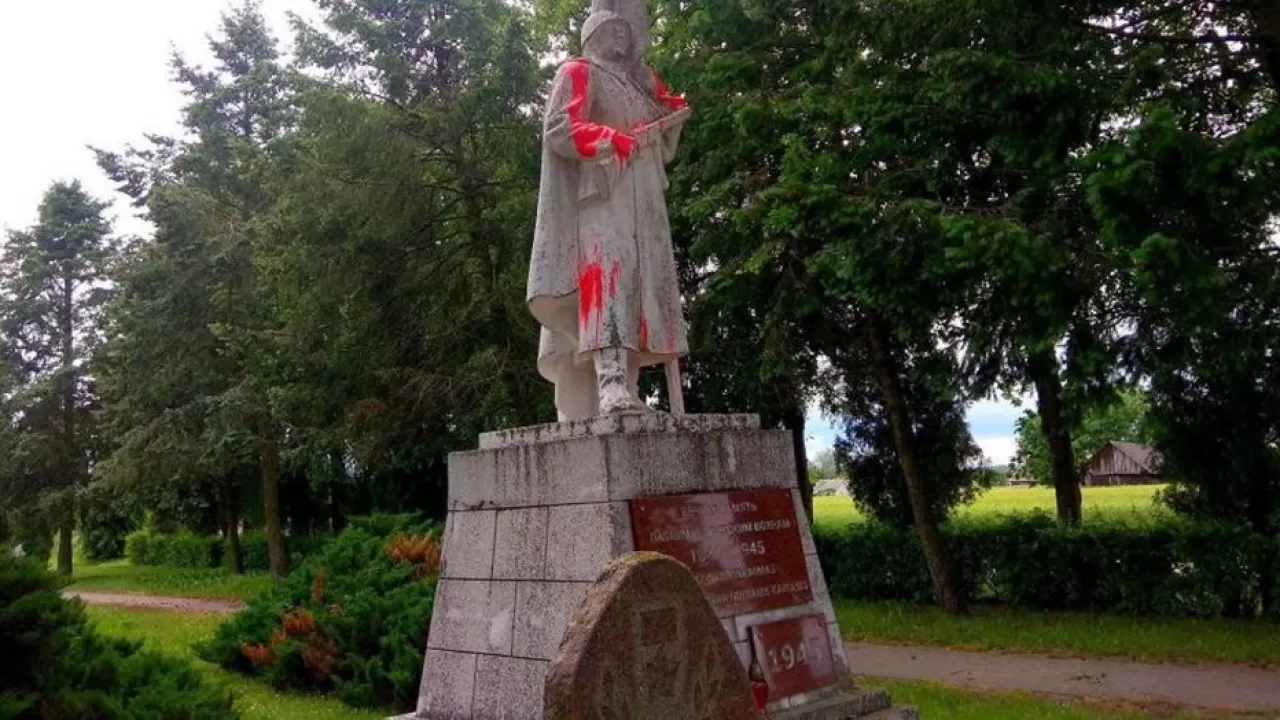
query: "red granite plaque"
795, 655
743, 547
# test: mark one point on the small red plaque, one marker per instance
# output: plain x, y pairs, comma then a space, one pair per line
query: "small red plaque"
743, 547
795, 655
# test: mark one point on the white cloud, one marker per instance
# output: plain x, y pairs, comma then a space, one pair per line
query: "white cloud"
998, 450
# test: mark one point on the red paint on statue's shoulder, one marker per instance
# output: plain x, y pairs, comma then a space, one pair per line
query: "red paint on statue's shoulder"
585, 134
590, 290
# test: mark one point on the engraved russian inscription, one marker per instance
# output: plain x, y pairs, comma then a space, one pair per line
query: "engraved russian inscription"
743, 547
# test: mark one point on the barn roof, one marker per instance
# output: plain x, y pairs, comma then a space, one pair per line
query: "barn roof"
1145, 457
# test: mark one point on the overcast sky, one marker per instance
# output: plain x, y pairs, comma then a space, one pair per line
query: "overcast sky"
75, 73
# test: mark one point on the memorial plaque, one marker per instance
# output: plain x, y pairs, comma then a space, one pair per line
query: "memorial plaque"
743, 547
795, 655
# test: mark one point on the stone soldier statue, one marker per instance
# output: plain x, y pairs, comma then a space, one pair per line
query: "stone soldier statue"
602, 280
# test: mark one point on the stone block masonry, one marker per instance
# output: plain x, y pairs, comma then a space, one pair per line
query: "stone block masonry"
537, 513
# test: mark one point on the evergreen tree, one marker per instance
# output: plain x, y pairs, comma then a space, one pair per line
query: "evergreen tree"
52, 289
205, 409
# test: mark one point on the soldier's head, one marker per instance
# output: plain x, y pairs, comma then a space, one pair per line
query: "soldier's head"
606, 36
636, 13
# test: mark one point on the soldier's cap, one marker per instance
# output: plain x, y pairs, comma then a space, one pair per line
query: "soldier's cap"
599, 19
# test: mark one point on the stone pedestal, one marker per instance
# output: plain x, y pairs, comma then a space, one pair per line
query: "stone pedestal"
534, 516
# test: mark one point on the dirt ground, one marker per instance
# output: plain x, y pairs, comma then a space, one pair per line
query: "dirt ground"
157, 602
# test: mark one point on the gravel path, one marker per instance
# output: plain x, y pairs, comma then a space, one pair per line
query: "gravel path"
1221, 687
158, 602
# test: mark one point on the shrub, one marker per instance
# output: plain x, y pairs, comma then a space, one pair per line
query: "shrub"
141, 548
1175, 568
53, 665
183, 549
351, 619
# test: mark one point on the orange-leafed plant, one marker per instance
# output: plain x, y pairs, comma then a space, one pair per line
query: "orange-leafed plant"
298, 622
258, 654
420, 551
321, 656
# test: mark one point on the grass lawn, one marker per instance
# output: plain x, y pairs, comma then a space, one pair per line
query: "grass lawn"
1151, 639
174, 634
1132, 503
935, 700
121, 576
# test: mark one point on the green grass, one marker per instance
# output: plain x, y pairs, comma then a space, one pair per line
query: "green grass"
935, 700
1081, 634
121, 576
175, 633
1132, 503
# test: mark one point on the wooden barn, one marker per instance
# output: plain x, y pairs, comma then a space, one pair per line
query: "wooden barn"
1123, 463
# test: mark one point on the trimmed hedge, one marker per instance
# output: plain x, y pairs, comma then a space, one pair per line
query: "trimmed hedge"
1174, 568
184, 549
188, 550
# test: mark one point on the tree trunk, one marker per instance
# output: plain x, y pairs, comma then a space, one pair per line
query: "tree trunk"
887, 377
269, 460
231, 524
1057, 435
338, 494
793, 420
64, 545
70, 465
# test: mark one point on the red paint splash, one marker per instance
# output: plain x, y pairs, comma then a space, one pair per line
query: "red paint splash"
588, 135
624, 145
644, 332
675, 102
615, 272
590, 291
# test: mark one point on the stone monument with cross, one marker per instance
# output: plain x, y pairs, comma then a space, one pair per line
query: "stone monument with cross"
536, 514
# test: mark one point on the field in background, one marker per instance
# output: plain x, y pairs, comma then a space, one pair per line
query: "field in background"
1131, 503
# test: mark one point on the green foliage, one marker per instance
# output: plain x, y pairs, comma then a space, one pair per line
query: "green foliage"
868, 456
350, 620
53, 666
1174, 567
105, 526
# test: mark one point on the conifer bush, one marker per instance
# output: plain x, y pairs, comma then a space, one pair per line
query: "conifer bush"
53, 665
350, 620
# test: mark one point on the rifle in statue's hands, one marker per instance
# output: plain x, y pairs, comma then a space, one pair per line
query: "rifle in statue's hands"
602, 173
